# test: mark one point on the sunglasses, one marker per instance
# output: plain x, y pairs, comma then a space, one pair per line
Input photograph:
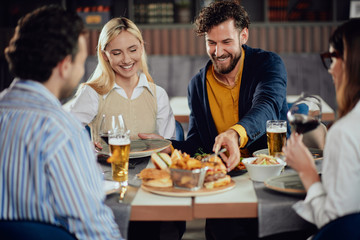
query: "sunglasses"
326, 58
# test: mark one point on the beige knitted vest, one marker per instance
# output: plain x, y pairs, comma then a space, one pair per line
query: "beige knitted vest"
139, 114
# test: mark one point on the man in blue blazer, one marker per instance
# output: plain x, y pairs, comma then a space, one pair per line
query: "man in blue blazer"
238, 90
231, 98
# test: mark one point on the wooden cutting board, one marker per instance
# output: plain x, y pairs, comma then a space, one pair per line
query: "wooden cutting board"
176, 192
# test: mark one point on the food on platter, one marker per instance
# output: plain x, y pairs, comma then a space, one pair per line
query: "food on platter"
161, 160
241, 165
153, 177
185, 172
184, 161
216, 174
188, 179
264, 159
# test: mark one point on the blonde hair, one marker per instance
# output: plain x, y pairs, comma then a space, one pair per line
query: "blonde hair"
103, 78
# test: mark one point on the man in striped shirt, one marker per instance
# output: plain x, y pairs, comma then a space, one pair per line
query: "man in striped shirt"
47, 163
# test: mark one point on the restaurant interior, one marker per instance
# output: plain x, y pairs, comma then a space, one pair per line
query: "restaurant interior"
297, 30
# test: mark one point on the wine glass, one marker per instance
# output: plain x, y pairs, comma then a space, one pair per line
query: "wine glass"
105, 127
110, 124
305, 113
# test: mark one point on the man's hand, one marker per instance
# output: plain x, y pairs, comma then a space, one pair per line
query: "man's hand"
229, 140
154, 136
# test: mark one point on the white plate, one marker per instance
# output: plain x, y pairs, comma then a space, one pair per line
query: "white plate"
145, 147
317, 153
111, 186
286, 183
141, 148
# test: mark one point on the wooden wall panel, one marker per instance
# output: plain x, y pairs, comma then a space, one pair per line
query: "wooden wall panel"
282, 38
191, 44
165, 42
325, 38
200, 46
174, 42
157, 41
298, 39
262, 38
183, 41
308, 39
272, 44
147, 40
317, 39
254, 37
289, 39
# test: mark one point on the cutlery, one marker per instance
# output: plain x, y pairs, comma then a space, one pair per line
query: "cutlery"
206, 159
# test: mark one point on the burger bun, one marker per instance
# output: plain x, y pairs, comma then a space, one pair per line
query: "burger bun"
153, 177
218, 183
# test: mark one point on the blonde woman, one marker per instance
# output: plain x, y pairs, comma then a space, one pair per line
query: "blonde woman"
121, 84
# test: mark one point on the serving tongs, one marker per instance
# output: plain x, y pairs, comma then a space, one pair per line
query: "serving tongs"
206, 159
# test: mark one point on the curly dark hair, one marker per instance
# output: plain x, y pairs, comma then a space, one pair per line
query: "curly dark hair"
219, 12
41, 40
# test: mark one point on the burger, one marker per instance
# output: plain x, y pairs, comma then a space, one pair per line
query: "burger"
216, 175
153, 177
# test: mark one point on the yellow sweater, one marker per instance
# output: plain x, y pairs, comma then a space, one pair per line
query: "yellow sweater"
224, 102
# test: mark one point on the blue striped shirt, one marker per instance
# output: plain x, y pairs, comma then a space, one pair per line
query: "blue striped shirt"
48, 167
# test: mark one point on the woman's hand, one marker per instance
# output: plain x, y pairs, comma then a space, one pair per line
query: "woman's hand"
98, 146
300, 159
154, 136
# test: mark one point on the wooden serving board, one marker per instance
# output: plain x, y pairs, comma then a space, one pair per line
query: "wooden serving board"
176, 192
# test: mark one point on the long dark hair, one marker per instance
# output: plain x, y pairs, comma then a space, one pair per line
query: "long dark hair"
346, 40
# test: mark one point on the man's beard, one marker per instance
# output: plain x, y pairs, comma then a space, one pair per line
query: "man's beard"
226, 69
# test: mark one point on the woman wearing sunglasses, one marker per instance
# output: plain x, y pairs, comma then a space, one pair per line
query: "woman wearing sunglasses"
337, 192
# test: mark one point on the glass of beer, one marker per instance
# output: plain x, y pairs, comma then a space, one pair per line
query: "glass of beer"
276, 135
119, 142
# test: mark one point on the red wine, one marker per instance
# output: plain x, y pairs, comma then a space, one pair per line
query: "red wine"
105, 137
303, 124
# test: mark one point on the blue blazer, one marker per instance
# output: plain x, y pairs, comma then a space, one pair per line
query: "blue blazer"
262, 97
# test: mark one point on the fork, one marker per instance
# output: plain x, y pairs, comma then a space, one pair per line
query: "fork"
206, 159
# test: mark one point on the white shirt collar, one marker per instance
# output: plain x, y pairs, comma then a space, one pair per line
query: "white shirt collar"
143, 83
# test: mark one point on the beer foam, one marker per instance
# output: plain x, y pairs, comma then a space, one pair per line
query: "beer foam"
119, 141
276, 129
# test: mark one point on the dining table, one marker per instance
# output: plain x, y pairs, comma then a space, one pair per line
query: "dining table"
247, 199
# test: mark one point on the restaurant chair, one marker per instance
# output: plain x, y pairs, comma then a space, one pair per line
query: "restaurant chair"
32, 230
179, 131
346, 227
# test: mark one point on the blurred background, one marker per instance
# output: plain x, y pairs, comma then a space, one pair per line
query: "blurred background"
298, 30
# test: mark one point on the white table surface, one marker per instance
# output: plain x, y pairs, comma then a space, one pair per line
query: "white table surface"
239, 202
